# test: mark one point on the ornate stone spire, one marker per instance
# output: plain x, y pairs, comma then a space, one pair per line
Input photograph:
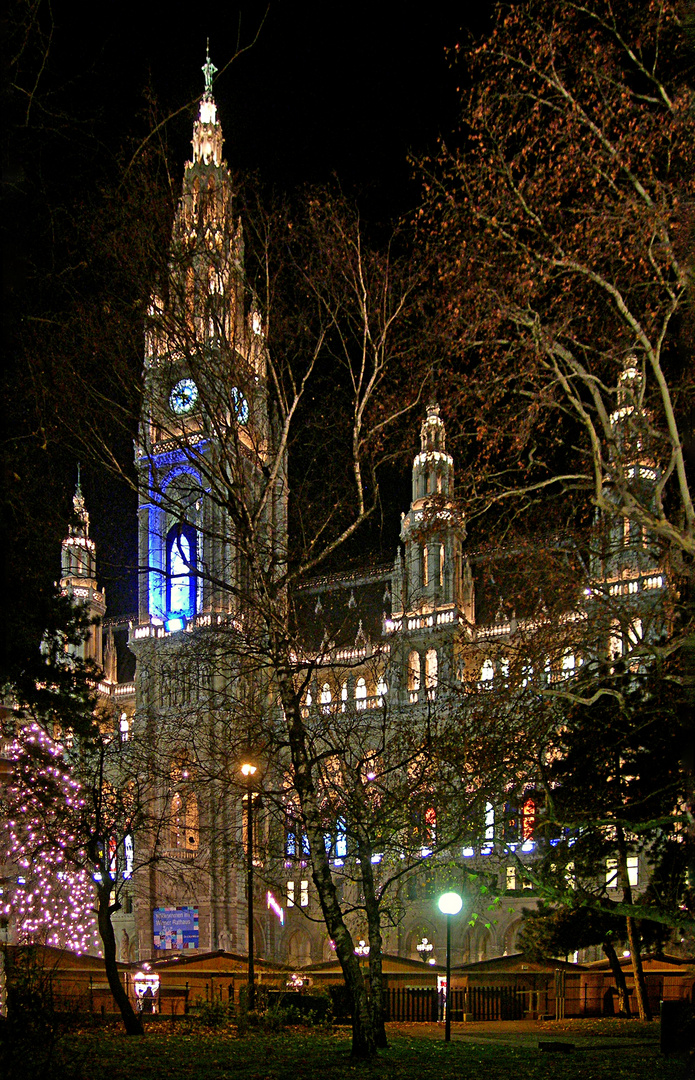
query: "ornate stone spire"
207, 131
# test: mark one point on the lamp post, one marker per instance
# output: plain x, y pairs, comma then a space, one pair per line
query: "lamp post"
362, 950
425, 948
249, 771
450, 903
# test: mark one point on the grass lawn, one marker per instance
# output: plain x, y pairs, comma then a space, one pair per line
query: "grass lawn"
415, 1053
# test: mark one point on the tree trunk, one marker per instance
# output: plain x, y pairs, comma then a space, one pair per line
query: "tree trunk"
363, 1042
645, 1012
632, 935
619, 976
131, 1020
371, 903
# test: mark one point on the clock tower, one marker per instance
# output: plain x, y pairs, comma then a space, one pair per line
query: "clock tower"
212, 518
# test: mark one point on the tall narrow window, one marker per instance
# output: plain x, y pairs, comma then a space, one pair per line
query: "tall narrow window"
425, 567
431, 673
340, 839
489, 823
361, 694
528, 819
414, 674
181, 564
326, 698
441, 564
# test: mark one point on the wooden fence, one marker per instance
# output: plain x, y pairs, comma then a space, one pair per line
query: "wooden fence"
476, 1002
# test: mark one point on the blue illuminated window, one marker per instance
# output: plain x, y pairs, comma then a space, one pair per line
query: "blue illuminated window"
181, 565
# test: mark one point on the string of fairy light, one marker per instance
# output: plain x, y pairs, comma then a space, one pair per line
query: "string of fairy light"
48, 895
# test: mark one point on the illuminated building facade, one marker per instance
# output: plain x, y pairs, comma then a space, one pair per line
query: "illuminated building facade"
400, 635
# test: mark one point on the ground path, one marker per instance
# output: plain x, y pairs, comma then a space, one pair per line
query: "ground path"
585, 1035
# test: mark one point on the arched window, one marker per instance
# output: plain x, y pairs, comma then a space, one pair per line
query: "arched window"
343, 695
414, 674
431, 673
184, 821
489, 823
361, 694
528, 819
487, 672
425, 567
381, 689
181, 565
326, 698
441, 563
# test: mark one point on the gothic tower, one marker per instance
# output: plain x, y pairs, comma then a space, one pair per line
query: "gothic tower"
212, 511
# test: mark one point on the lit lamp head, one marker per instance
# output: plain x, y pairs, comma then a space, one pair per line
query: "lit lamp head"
450, 903
248, 770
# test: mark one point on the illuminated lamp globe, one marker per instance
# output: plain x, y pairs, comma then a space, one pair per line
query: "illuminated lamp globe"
450, 903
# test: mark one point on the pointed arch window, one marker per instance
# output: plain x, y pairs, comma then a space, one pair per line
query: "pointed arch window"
326, 698
361, 694
181, 565
414, 675
184, 821
431, 673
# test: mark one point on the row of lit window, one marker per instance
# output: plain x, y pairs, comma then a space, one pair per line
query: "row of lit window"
326, 695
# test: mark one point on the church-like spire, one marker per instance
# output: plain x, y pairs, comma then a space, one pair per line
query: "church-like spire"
207, 130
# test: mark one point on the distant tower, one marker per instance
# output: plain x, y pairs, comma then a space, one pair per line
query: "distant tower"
629, 549
627, 567
79, 575
433, 530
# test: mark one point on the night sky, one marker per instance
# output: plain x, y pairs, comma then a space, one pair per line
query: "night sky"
341, 89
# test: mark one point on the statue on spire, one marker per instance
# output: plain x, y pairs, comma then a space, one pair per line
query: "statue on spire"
208, 70
207, 133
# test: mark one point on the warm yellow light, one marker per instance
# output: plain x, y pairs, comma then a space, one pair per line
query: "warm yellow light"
248, 770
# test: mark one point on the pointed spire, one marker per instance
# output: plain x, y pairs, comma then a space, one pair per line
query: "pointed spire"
79, 508
208, 70
207, 132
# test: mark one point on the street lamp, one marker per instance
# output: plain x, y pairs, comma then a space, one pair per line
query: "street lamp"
425, 948
450, 903
362, 949
248, 771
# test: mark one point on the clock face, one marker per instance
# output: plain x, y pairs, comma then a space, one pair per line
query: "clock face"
183, 397
241, 406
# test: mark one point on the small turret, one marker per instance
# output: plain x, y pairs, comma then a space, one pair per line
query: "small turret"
433, 530
79, 573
